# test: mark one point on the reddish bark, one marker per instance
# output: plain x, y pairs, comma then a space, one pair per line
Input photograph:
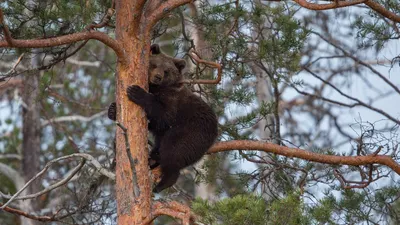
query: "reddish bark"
333, 5
195, 56
306, 155
172, 209
60, 40
133, 32
27, 215
340, 4
381, 10
66, 39
131, 209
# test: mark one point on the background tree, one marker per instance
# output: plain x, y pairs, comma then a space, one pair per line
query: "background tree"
293, 88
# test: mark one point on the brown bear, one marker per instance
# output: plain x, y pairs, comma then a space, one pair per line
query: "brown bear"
184, 126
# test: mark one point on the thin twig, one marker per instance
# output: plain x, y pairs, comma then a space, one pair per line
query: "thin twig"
88, 157
27, 215
104, 21
356, 184
12, 70
193, 55
132, 161
73, 118
51, 187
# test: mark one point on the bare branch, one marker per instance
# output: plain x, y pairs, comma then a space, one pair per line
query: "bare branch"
195, 56
333, 5
53, 61
345, 3
11, 156
382, 10
88, 157
346, 184
61, 40
358, 101
62, 98
73, 118
27, 215
84, 63
104, 22
306, 155
301, 182
51, 187
12, 70
94, 163
163, 9
357, 60
173, 209
132, 161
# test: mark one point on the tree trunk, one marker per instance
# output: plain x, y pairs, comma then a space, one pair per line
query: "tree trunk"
133, 36
31, 132
31, 128
203, 190
266, 127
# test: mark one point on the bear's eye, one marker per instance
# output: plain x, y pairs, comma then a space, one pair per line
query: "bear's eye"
152, 66
166, 73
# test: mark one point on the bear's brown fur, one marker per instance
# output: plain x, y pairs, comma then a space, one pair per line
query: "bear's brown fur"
184, 126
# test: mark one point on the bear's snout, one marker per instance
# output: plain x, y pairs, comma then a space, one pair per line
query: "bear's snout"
158, 78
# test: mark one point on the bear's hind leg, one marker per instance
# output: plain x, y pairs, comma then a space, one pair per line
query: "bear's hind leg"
169, 177
112, 111
154, 159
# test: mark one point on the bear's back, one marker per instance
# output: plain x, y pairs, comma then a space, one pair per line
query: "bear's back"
185, 109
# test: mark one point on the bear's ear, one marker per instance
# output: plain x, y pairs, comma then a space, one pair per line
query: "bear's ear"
155, 49
180, 64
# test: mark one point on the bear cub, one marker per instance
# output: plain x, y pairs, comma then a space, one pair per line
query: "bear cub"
183, 125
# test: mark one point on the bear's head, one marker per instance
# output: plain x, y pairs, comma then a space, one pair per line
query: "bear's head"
164, 71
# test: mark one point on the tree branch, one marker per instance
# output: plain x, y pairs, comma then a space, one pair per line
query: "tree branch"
61, 40
51, 187
343, 3
12, 70
333, 5
306, 155
84, 63
11, 156
173, 209
358, 102
346, 184
88, 157
132, 161
104, 22
27, 215
218, 66
381, 10
73, 118
357, 60
163, 9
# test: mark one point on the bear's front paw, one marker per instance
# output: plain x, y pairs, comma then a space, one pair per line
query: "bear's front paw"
153, 163
112, 111
136, 94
